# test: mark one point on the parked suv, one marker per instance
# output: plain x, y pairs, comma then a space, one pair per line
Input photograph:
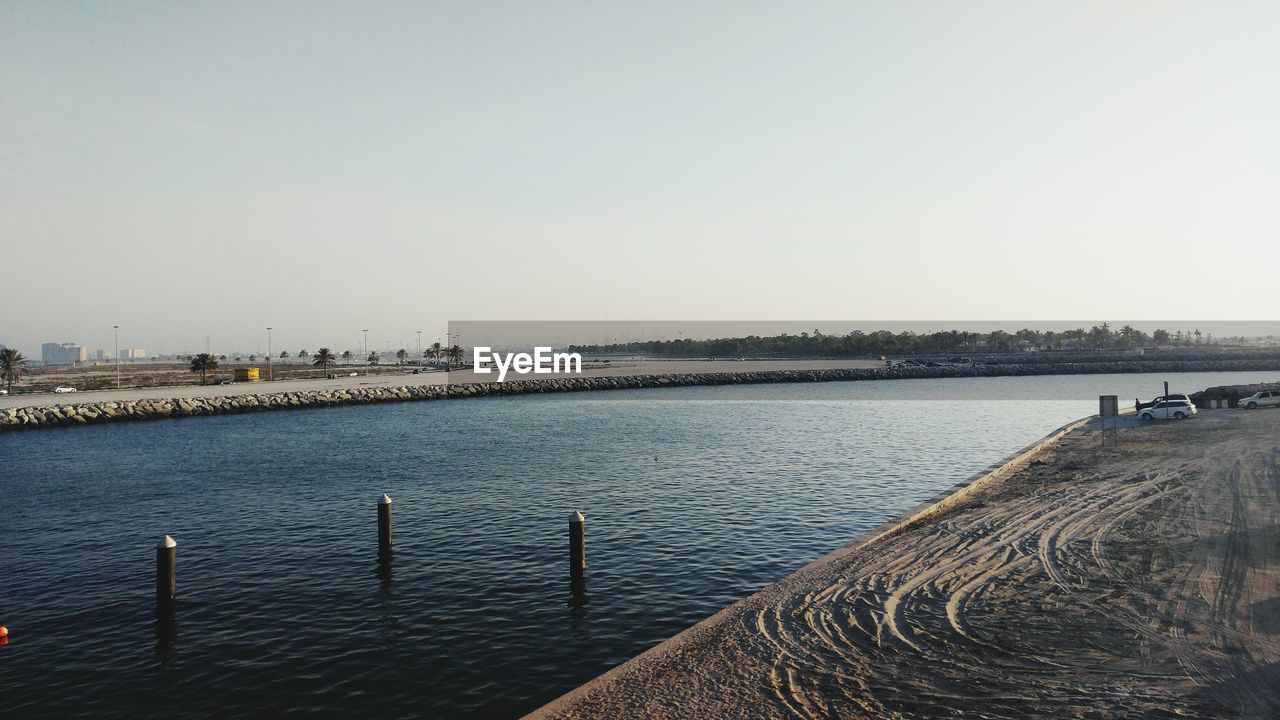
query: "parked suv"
1262, 398
1168, 409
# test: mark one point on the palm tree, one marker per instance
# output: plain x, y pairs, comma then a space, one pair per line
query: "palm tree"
437, 351
12, 365
401, 355
455, 355
303, 354
346, 357
1100, 336
284, 354
324, 359
1129, 336
373, 358
253, 358
203, 363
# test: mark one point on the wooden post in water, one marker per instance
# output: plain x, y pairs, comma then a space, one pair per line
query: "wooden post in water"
166, 573
384, 526
577, 546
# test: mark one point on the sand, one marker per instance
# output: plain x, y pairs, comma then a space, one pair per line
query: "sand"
1136, 581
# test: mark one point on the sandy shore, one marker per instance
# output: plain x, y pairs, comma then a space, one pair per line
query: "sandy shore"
1136, 581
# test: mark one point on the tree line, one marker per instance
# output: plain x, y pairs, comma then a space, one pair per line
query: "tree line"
436, 352
884, 342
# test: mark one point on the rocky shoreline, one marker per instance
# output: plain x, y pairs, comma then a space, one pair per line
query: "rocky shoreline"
1232, 394
72, 414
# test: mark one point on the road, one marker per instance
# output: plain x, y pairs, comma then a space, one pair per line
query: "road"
642, 367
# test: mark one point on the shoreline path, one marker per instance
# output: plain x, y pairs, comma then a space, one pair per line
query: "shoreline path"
1142, 580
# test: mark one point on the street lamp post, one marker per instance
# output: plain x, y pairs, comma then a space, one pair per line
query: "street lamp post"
364, 349
453, 340
270, 375
419, 347
116, 330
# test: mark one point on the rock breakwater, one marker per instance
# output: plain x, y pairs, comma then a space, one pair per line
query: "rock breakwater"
87, 413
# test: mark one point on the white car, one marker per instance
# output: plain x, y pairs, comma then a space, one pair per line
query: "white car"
1262, 398
1178, 409
64, 389
3, 391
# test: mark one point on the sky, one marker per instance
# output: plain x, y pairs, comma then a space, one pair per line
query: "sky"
195, 171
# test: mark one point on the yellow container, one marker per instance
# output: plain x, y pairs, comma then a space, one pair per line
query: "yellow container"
247, 374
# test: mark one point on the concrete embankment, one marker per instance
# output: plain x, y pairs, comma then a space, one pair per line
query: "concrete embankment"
65, 415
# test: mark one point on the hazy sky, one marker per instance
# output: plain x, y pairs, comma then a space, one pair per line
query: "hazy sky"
191, 169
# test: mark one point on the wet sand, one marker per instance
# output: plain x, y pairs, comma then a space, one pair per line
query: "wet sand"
1142, 580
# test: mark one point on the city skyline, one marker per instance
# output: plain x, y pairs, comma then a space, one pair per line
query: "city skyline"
520, 333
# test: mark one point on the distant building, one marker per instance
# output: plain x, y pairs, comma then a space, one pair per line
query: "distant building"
102, 355
62, 354
133, 354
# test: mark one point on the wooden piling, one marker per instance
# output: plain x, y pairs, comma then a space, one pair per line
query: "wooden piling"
166, 572
384, 526
577, 546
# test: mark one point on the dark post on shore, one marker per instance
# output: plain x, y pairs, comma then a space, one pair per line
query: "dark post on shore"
166, 572
577, 546
384, 526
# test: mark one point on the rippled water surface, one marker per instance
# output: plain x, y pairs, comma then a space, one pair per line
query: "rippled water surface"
694, 498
